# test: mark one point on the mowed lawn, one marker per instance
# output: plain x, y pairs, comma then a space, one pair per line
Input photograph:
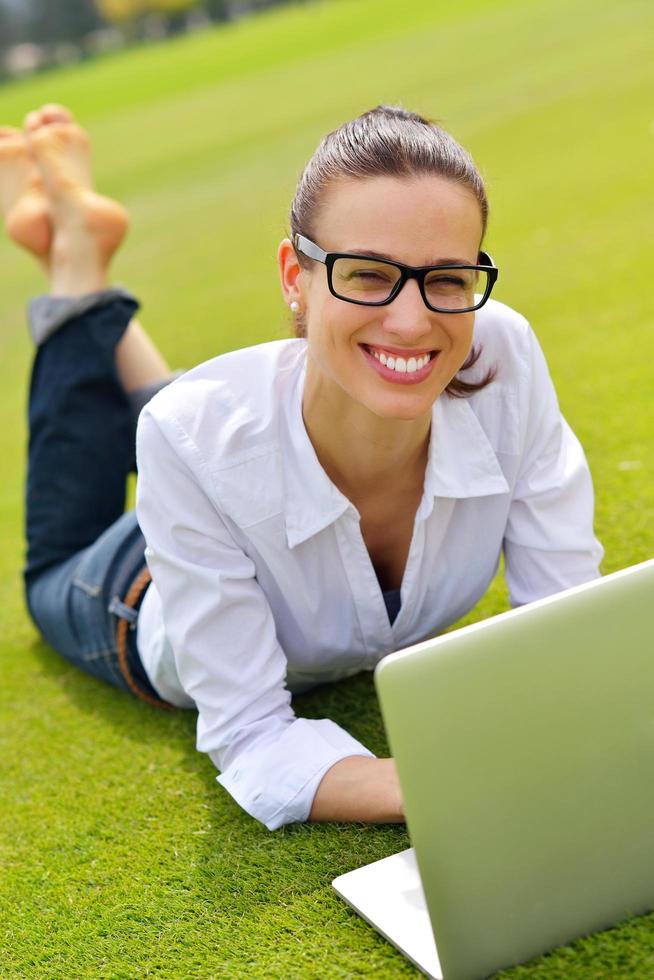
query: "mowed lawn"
120, 855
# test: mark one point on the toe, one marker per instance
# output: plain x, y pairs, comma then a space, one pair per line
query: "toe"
12, 144
55, 113
51, 112
58, 135
32, 120
12, 141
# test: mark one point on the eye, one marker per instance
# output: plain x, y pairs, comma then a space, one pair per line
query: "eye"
450, 281
371, 275
363, 278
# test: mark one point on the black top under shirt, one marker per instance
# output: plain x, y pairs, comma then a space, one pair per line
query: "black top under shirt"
392, 601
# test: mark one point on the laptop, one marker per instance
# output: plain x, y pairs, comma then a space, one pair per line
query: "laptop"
525, 751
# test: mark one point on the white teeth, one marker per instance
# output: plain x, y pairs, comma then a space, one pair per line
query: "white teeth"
400, 364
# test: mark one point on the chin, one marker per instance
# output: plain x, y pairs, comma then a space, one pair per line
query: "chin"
405, 410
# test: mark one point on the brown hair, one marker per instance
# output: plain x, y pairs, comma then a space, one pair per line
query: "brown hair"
387, 141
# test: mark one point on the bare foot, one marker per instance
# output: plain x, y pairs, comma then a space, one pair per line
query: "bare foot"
23, 203
87, 227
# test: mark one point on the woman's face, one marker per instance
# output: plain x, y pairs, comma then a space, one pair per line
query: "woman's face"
416, 221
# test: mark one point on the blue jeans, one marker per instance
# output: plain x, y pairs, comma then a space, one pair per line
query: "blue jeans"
83, 551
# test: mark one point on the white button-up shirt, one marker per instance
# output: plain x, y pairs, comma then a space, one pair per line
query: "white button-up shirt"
262, 583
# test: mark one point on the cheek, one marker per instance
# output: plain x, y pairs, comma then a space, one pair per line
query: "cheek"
463, 333
329, 327
315, 312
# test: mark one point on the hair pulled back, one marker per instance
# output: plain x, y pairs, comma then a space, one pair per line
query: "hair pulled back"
387, 141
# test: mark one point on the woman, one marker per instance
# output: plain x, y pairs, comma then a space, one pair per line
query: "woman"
309, 505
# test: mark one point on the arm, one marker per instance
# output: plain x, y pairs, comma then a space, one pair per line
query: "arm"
222, 632
362, 789
549, 544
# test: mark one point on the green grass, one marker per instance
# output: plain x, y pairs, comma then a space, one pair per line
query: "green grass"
120, 856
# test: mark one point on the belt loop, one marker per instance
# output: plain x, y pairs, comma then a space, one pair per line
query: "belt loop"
119, 609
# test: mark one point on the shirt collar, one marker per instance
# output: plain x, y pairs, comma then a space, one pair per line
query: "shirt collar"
461, 463
312, 502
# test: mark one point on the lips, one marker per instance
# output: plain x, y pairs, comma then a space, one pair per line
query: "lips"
400, 365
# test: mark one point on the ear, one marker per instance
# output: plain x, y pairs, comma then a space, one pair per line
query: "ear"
290, 272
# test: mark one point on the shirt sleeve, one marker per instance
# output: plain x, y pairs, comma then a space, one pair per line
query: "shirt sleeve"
549, 542
221, 629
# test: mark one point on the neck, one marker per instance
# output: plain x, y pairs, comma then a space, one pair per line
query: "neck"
361, 452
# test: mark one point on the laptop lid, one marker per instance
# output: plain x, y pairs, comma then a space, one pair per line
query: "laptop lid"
525, 751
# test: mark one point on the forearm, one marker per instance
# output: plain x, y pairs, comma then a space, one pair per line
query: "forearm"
359, 789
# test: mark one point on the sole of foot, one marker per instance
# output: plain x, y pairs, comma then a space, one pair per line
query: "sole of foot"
23, 201
87, 227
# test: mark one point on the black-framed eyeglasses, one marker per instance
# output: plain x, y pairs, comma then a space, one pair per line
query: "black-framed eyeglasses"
369, 281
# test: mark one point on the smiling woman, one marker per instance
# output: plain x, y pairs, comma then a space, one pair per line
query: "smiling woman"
390, 216
304, 506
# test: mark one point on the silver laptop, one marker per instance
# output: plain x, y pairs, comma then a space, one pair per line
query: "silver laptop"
525, 750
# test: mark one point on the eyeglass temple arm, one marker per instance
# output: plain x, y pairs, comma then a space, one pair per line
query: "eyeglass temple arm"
309, 248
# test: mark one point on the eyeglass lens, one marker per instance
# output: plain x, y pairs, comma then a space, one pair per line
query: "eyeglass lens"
368, 281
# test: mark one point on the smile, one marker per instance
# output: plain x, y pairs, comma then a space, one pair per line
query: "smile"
408, 368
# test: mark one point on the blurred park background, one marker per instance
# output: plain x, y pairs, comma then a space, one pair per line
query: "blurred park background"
39, 34
121, 856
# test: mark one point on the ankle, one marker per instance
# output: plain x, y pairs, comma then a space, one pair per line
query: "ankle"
75, 267
69, 284
72, 284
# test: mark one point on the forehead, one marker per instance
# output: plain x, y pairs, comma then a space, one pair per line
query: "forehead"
416, 220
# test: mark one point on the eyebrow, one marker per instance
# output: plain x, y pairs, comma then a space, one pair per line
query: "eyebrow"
370, 254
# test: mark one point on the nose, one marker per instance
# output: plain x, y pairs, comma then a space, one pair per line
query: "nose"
407, 316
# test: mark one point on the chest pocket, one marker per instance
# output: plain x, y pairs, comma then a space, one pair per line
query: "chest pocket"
251, 490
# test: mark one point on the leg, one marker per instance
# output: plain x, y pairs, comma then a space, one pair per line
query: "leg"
83, 552
80, 445
138, 361
80, 449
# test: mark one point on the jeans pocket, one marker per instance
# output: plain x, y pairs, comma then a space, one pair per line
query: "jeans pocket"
93, 629
70, 603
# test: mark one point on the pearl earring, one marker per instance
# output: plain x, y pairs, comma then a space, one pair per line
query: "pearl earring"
295, 307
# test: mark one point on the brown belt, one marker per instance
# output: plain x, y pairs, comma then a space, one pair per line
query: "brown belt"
134, 593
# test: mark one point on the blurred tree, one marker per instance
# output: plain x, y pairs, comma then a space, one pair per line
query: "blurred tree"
12, 20
118, 11
139, 19
216, 9
5, 28
174, 11
171, 6
56, 21
65, 29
